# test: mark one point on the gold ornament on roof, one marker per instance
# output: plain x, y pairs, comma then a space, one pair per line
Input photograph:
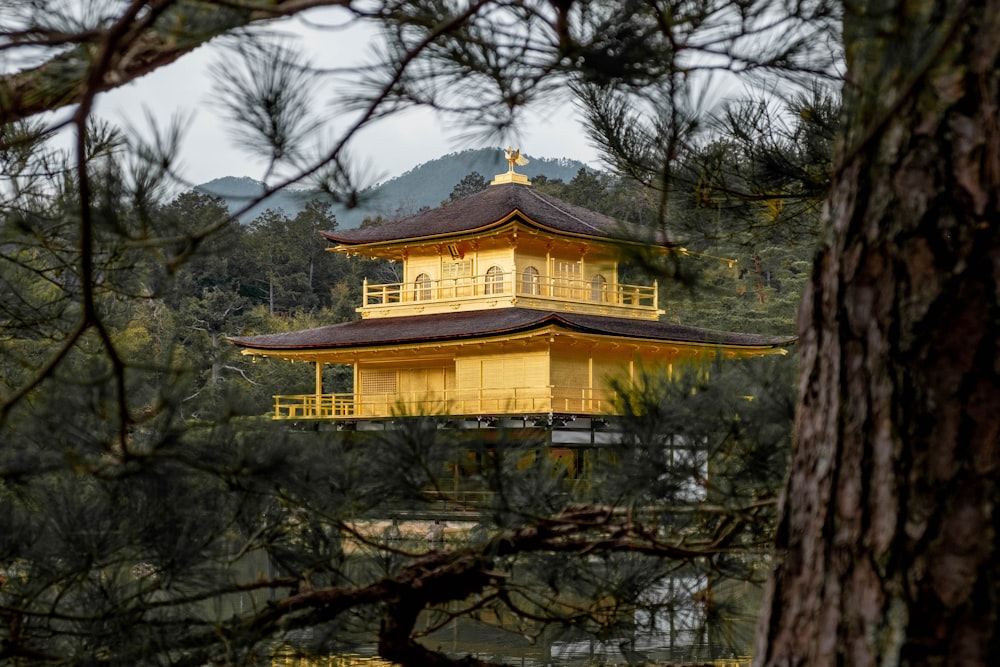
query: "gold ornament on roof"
514, 157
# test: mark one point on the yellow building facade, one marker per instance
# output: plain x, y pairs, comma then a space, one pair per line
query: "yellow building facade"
510, 304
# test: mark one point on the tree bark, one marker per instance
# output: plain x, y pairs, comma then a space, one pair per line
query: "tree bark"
889, 529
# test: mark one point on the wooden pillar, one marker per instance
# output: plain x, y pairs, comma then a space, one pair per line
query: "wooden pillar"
319, 387
549, 277
589, 403
356, 388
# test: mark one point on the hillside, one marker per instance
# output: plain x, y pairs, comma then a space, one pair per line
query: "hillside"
427, 184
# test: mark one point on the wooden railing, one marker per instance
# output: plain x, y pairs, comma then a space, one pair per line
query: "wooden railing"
313, 406
453, 402
496, 286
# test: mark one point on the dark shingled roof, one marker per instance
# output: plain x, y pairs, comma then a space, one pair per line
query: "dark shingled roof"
487, 323
487, 209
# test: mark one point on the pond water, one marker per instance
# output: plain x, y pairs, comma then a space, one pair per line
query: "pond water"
679, 631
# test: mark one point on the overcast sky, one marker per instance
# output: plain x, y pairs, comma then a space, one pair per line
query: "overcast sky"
387, 149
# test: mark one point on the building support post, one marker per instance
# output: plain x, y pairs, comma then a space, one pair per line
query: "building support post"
319, 388
356, 410
588, 404
549, 271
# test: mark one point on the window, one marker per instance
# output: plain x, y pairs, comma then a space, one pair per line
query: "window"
459, 269
494, 280
378, 382
456, 278
567, 269
566, 276
529, 281
599, 288
422, 287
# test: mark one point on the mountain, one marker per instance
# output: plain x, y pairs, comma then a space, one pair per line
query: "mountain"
427, 184
239, 191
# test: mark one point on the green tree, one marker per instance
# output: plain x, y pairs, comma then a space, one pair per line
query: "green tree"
469, 185
191, 263
586, 188
269, 260
321, 271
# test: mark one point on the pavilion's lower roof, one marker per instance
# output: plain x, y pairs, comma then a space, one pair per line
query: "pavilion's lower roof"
471, 325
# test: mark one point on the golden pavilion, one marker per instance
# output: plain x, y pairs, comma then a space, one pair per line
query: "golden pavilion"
510, 306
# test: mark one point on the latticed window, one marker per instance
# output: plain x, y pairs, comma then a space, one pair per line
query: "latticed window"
379, 382
456, 278
494, 280
530, 281
422, 287
566, 278
599, 288
567, 269
458, 269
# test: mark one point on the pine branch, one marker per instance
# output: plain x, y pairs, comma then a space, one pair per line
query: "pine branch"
63, 79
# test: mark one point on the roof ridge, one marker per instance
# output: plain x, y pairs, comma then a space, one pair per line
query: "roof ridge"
561, 210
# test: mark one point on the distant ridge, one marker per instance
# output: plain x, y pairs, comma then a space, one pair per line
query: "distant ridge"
240, 191
427, 184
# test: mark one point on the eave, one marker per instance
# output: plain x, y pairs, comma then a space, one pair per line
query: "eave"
417, 351
423, 333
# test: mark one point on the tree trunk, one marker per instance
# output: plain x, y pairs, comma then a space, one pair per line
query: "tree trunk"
889, 519
270, 294
216, 357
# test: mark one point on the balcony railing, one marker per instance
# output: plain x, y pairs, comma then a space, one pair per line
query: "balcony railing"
537, 291
452, 402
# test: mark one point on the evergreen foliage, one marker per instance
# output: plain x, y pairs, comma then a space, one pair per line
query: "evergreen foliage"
470, 185
154, 515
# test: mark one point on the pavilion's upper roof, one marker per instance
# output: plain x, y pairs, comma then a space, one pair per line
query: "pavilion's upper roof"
385, 331
494, 207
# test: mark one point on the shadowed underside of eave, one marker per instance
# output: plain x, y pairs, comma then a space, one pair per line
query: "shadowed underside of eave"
465, 327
